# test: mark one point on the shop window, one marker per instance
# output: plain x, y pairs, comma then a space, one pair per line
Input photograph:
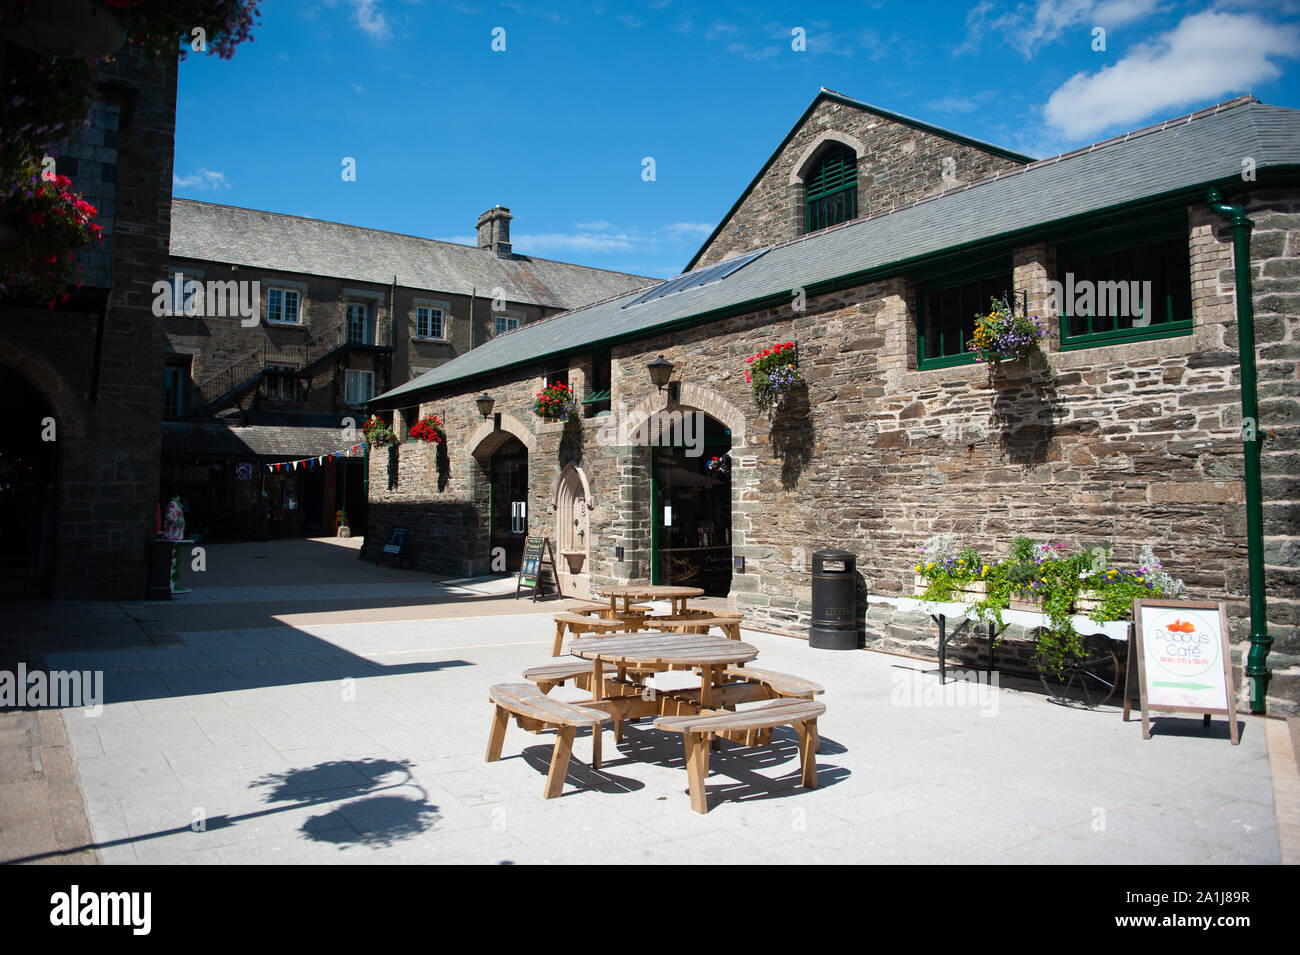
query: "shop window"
945, 316
597, 400
1124, 288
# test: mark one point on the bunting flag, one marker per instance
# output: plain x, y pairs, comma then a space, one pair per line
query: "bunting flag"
316, 461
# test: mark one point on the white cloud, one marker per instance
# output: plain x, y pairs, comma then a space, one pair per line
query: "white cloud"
630, 20
370, 19
688, 229
201, 180
1206, 58
1029, 28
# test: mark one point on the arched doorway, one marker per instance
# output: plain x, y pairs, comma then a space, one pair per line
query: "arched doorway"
690, 494
572, 533
28, 468
507, 505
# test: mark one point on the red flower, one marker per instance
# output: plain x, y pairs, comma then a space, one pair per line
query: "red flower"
35, 218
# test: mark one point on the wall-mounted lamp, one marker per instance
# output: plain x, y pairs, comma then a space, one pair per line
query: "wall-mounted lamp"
618, 553
485, 404
661, 369
739, 564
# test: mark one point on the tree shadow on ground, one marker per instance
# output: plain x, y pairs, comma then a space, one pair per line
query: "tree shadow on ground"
368, 819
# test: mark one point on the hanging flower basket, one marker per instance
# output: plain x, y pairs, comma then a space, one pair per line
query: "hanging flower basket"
378, 433
773, 374
555, 402
721, 466
429, 429
1001, 335
53, 225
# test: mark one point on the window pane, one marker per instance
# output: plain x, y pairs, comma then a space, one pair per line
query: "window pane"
930, 328
291, 306
273, 305
1127, 289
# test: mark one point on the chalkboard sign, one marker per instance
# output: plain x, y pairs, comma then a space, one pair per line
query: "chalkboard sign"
538, 557
1183, 661
395, 541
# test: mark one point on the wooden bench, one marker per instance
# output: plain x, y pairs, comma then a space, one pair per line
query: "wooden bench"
579, 626
595, 608
775, 686
552, 675
778, 685
533, 710
696, 731
727, 623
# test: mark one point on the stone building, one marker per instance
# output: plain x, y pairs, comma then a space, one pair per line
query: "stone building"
338, 313
1125, 431
78, 502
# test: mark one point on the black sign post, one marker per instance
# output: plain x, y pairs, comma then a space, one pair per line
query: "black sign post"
537, 557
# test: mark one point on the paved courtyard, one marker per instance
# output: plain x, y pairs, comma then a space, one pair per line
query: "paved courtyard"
295, 739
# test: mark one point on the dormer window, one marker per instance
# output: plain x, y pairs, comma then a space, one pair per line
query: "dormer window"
831, 189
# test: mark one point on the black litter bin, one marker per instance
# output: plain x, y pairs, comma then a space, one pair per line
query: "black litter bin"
834, 601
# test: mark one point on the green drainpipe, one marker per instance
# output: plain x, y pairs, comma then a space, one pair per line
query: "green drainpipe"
1252, 435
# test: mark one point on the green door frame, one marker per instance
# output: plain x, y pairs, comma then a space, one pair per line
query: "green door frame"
656, 515
656, 506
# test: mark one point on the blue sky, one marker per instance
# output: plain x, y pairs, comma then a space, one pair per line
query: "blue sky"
557, 125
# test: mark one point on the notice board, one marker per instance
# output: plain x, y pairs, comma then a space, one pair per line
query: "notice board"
1183, 661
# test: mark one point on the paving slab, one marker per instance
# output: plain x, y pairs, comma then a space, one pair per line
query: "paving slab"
356, 736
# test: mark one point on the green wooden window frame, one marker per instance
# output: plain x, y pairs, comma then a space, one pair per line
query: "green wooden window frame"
831, 189
1158, 255
945, 315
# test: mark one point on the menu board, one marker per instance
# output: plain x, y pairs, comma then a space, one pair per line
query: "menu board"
1184, 665
538, 557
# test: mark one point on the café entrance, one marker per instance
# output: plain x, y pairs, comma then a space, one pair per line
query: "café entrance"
690, 492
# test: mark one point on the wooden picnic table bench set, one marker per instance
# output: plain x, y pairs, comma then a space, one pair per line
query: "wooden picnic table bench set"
617, 648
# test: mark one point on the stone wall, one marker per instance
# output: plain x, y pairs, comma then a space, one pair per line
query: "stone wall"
897, 164
109, 425
1124, 445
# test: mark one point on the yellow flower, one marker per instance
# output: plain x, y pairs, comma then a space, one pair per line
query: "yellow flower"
984, 570
929, 565
918, 568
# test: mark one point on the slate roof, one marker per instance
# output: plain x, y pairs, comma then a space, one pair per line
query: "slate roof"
270, 240
1171, 157
216, 439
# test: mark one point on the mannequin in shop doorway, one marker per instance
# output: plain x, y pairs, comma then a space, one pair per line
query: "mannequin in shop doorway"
174, 530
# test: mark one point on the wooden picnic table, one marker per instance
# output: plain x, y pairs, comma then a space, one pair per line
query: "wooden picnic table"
630, 592
712, 654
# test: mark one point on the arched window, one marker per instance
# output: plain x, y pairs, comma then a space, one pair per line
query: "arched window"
831, 189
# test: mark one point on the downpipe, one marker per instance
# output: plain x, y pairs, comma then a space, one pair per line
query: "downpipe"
1251, 436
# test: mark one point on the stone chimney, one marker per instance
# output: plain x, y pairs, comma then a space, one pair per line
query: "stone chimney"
494, 231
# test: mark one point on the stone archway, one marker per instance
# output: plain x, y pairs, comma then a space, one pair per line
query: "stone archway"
799, 171
744, 470
498, 461
50, 383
